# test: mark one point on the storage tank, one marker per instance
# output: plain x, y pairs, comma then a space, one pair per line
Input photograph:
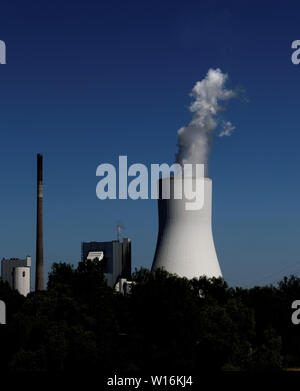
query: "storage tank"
185, 243
22, 280
2, 312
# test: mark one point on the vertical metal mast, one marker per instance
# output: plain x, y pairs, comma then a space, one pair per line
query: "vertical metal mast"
39, 271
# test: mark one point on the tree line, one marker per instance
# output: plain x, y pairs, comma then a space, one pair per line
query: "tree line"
166, 324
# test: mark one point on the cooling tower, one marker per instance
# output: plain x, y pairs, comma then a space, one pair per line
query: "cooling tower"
185, 243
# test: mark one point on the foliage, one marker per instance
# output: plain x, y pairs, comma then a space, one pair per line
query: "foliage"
166, 324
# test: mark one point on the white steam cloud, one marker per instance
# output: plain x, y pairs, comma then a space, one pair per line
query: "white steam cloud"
228, 129
194, 140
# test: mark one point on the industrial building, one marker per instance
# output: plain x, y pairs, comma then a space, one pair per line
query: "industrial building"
124, 286
116, 256
17, 273
185, 244
2, 312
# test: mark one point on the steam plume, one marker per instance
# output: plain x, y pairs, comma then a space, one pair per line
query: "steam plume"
194, 140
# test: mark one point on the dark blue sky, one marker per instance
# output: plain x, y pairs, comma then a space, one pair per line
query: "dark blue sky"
88, 81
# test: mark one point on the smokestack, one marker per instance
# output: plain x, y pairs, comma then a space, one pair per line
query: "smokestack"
39, 270
185, 243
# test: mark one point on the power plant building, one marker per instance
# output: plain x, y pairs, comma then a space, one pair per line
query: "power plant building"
17, 273
116, 256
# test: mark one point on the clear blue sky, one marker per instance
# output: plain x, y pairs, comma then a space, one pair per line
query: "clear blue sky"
87, 81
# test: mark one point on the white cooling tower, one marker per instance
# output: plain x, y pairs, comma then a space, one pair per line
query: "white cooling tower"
185, 243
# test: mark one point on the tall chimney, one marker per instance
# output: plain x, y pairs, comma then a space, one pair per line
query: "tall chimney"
39, 268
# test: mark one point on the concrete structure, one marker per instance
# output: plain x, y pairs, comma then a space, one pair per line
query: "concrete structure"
22, 280
124, 286
116, 256
2, 312
185, 243
39, 267
17, 273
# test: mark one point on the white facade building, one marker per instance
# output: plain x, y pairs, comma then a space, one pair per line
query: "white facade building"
22, 280
17, 273
2, 312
